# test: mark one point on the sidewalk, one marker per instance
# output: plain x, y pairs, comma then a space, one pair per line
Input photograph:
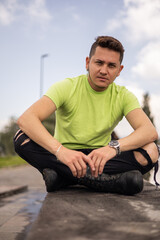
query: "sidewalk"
22, 175
19, 211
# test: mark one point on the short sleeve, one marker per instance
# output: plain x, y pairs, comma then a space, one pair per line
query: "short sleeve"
130, 102
59, 92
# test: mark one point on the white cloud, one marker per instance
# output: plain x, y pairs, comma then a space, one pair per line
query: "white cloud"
72, 11
124, 129
12, 10
155, 109
139, 22
5, 16
38, 10
7, 10
148, 63
132, 86
76, 17
141, 18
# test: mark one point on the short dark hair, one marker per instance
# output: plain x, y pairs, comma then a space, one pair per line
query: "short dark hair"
107, 42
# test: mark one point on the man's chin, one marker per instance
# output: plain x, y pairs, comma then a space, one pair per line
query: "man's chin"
101, 87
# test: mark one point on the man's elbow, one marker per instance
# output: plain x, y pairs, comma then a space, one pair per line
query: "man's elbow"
21, 122
154, 135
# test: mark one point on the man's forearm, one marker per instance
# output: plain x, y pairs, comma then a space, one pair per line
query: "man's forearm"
35, 130
138, 138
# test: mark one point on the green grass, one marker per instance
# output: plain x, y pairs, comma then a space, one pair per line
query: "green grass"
11, 161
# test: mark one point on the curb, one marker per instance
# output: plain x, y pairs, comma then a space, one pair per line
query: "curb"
6, 191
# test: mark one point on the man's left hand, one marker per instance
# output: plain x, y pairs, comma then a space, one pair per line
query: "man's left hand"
100, 156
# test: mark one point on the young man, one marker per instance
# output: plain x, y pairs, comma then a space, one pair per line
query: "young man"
88, 108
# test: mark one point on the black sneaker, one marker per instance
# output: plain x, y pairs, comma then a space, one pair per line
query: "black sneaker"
127, 183
55, 182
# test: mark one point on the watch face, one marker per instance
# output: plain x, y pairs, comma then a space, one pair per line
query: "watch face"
114, 143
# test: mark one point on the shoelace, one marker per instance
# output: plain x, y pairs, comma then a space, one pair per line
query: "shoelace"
102, 177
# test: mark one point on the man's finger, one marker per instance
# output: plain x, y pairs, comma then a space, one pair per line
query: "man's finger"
90, 155
73, 170
84, 167
78, 169
90, 162
94, 159
101, 166
97, 163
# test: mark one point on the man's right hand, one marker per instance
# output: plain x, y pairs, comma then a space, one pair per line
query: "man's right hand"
76, 161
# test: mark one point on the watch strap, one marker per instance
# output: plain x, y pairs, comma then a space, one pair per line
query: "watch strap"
116, 145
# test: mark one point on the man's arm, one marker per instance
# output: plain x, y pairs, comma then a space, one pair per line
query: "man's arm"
144, 133
31, 124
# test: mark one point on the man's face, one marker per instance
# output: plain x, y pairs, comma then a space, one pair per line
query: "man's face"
103, 67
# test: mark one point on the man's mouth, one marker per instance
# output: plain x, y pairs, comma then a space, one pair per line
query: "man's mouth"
102, 79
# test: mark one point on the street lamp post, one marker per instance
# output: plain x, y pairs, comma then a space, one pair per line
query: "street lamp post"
42, 72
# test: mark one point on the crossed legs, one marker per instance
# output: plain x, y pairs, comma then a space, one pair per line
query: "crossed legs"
42, 159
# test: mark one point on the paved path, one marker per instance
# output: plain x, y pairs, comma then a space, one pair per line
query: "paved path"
22, 175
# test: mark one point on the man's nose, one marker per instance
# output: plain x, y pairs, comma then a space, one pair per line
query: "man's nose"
104, 70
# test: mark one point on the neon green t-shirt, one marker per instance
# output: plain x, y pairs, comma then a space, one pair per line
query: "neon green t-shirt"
86, 118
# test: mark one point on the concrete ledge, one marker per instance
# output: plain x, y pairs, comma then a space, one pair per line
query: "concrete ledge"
6, 191
79, 214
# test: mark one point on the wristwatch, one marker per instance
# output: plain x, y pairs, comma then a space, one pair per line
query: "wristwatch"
116, 145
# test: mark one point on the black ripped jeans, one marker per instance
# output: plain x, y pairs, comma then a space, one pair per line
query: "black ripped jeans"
40, 158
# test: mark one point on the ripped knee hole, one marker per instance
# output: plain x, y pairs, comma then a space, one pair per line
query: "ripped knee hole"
18, 136
140, 158
25, 141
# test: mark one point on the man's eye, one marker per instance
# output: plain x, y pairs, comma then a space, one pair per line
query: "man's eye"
99, 63
112, 66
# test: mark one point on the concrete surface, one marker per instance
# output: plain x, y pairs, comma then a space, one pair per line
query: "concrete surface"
79, 214
19, 211
75, 213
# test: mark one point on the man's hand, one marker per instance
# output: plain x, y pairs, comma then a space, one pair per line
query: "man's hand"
76, 161
100, 156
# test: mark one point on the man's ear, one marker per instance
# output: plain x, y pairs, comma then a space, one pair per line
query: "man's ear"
120, 69
87, 63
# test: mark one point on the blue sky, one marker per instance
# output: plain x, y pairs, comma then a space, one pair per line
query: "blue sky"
65, 29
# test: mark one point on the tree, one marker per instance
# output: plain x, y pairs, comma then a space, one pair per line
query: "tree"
49, 123
6, 137
146, 109
7, 134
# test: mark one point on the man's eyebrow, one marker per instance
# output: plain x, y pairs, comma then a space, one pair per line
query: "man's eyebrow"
102, 61
112, 63
99, 60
